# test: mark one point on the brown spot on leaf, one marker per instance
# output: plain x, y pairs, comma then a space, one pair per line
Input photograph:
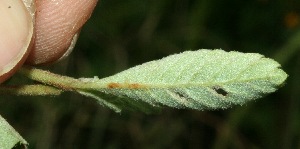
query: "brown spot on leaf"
219, 90
125, 85
134, 85
113, 85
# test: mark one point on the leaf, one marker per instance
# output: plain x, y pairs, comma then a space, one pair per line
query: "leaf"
203, 79
8, 136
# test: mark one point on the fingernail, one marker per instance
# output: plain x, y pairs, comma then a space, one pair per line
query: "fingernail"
71, 47
16, 31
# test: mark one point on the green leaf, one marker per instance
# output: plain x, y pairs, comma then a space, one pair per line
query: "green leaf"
8, 136
203, 79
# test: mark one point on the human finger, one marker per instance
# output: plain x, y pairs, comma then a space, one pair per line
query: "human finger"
57, 24
16, 32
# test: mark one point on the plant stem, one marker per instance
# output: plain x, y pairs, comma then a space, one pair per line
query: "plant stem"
63, 82
31, 90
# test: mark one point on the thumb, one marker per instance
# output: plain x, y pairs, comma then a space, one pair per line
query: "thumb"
16, 30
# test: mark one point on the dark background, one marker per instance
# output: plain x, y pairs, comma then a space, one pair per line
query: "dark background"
121, 34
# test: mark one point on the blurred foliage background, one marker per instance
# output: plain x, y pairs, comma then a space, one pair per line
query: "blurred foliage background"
122, 34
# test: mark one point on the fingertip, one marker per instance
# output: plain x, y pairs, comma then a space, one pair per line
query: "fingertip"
57, 22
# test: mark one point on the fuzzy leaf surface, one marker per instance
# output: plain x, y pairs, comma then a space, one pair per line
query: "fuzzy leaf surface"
203, 79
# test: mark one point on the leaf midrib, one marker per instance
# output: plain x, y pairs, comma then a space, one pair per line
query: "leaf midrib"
185, 85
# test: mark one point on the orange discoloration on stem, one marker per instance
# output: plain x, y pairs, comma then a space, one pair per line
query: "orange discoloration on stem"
113, 85
135, 85
125, 85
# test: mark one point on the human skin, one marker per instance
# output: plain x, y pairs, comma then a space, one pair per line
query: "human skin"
56, 23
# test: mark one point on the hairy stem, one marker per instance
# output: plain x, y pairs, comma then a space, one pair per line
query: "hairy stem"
63, 82
30, 90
